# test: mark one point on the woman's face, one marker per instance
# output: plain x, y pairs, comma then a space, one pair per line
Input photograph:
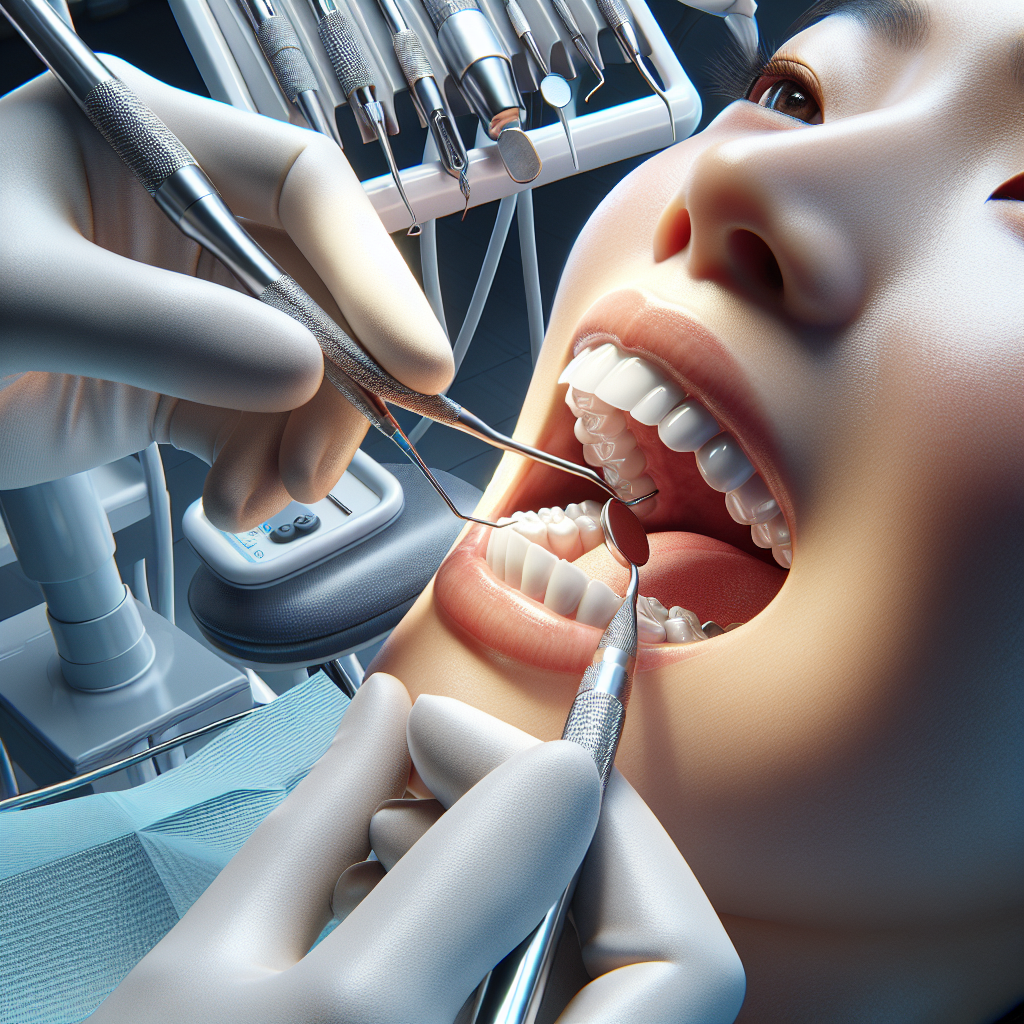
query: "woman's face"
846, 301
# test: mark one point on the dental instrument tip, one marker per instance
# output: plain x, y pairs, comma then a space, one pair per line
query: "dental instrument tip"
745, 31
464, 188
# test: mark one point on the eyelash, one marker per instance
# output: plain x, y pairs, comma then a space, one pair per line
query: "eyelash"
737, 76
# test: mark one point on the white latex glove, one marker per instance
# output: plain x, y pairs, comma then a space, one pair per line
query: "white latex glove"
650, 939
418, 944
110, 314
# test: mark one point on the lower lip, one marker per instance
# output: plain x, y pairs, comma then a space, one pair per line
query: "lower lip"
717, 580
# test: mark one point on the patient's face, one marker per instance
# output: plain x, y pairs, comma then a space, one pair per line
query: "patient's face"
824, 274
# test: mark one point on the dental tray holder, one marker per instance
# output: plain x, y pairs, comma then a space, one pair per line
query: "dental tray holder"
235, 71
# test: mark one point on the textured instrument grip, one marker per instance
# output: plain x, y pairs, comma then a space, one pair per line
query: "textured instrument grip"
441, 10
146, 145
595, 723
568, 18
515, 15
284, 294
338, 35
412, 58
281, 46
613, 12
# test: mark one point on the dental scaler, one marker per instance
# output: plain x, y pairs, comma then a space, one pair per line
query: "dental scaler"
615, 13
426, 95
353, 70
476, 58
180, 187
281, 47
512, 992
580, 42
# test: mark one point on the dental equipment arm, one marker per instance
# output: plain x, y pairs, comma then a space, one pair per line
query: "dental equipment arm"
739, 17
426, 95
281, 47
353, 70
614, 12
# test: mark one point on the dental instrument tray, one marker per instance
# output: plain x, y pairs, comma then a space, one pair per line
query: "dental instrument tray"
364, 501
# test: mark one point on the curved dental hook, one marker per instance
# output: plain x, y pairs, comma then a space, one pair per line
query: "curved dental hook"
385, 145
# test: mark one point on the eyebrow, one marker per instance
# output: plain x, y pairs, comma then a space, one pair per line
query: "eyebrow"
903, 23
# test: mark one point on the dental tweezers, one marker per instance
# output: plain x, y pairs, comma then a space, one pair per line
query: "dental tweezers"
180, 187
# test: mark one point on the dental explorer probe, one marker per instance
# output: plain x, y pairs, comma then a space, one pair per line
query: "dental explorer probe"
281, 47
180, 187
617, 17
426, 95
579, 40
554, 88
514, 989
353, 70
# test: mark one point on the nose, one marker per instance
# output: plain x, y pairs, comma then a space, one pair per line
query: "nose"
762, 213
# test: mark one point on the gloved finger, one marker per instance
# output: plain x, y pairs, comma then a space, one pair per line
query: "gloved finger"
472, 888
283, 176
650, 938
356, 882
454, 746
273, 899
398, 825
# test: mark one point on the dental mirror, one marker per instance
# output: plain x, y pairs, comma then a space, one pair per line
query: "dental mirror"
556, 91
624, 534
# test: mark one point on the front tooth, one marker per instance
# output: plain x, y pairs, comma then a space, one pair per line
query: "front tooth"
497, 545
752, 502
515, 555
591, 372
565, 588
537, 568
759, 534
598, 605
628, 382
722, 463
564, 539
591, 533
657, 404
533, 530
687, 427
576, 361
650, 631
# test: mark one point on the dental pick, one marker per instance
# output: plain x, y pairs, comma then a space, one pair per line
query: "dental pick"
513, 991
580, 42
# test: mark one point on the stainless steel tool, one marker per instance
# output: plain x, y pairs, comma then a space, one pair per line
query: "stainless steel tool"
513, 991
281, 47
580, 42
426, 95
615, 13
348, 59
477, 60
553, 88
181, 189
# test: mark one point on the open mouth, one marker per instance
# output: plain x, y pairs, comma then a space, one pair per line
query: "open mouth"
651, 400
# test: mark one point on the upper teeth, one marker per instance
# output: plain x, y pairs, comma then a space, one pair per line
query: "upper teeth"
535, 555
604, 383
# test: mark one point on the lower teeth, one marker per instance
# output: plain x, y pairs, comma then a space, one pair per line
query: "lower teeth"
535, 555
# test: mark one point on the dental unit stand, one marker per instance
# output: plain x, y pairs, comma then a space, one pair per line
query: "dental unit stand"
92, 674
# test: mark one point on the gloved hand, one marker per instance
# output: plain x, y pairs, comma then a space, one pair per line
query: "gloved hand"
416, 947
650, 939
122, 337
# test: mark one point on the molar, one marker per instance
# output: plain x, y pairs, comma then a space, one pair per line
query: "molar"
683, 626
564, 539
590, 530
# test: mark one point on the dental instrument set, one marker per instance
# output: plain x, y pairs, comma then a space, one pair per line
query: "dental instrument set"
284, 53
353, 70
426, 95
512, 992
477, 60
579, 40
553, 88
186, 195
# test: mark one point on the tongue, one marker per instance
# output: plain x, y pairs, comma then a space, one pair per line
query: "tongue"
704, 575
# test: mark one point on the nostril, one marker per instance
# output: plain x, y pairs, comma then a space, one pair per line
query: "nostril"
672, 234
754, 263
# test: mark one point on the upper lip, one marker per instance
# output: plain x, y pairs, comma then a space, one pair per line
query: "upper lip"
699, 362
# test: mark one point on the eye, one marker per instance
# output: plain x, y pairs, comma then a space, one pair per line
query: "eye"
1012, 189
792, 98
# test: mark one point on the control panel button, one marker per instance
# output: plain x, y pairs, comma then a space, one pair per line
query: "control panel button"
306, 523
284, 533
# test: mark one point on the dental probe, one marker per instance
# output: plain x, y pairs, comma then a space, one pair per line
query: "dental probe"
580, 42
353, 70
514, 989
280, 45
618, 21
186, 195
426, 95
554, 88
